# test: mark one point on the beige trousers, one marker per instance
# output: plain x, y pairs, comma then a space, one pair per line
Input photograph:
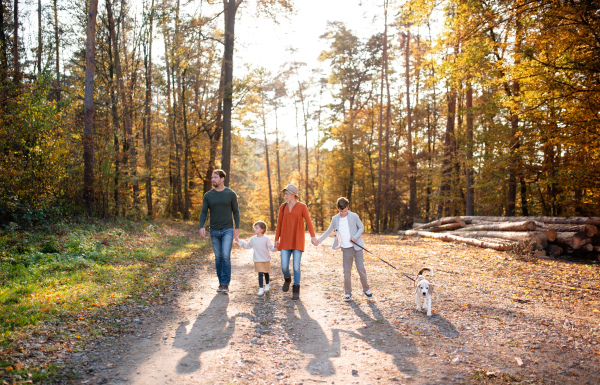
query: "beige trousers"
349, 255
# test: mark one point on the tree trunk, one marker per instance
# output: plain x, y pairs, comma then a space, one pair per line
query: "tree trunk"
589, 230
537, 237
128, 126
40, 41
178, 99
378, 197
230, 9
177, 188
449, 155
514, 143
554, 251
3, 53
279, 201
115, 121
57, 90
186, 151
306, 180
215, 136
454, 238
271, 211
470, 201
298, 138
88, 131
431, 135
16, 64
412, 163
573, 239
504, 226
305, 122
448, 227
548, 220
439, 222
147, 120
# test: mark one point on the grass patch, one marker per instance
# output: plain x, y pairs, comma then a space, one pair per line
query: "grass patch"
65, 283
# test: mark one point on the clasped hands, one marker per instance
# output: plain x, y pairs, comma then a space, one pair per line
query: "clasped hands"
313, 240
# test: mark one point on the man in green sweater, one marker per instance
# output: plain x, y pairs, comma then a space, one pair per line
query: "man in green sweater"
223, 206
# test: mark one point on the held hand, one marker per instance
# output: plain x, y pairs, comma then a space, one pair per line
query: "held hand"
236, 233
314, 241
276, 244
203, 232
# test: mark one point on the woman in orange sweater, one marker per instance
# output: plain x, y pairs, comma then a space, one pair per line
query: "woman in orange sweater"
289, 236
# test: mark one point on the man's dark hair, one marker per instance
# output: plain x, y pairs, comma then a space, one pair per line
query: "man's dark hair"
342, 203
262, 225
221, 173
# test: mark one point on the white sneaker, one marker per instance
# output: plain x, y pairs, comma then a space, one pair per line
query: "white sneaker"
261, 291
347, 297
267, 288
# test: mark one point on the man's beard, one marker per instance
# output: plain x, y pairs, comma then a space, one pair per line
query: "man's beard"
215, 184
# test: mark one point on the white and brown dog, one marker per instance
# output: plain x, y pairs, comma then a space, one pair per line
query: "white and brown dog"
423, 289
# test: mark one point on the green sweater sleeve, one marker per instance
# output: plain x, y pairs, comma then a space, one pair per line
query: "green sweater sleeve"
204, 212
236, 210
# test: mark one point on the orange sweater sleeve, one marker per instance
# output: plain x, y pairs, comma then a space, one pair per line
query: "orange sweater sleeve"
309, 224
279, 223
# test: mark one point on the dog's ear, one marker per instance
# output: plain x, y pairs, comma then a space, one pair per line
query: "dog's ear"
430, 290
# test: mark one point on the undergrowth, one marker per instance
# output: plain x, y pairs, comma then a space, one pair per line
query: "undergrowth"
69, 272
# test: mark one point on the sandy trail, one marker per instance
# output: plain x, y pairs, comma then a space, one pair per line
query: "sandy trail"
211, 338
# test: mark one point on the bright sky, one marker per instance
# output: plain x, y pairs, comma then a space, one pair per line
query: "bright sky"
263, 43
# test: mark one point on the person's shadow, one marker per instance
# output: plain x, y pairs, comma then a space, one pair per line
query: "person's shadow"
308, 337
391, 343
212, 330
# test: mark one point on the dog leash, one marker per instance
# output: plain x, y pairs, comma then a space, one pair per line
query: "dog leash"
383, 260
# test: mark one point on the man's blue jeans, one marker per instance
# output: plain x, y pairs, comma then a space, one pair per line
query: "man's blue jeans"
285, 264
222, 240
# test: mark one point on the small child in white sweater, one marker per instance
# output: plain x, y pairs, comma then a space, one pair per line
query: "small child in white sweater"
261, 256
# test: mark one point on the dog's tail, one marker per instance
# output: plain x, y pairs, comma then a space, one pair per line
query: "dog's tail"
429, 269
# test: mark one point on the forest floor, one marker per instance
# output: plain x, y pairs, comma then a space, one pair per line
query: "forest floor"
496, 320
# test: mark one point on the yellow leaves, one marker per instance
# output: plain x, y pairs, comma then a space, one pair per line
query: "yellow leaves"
595, 311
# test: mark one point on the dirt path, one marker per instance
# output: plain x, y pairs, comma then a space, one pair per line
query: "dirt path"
484, 330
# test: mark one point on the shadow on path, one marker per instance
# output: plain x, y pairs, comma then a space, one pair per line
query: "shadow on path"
212, 330
382, 336
445, 327
314, 341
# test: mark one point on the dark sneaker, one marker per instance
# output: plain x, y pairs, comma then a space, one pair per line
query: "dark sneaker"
220, 289
225, 289
369, 294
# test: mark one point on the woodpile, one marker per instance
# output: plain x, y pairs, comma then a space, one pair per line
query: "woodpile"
541, 236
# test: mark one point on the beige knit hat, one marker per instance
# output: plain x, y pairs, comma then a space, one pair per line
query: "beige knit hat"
291, 189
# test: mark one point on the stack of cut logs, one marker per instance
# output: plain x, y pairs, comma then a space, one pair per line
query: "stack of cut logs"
551, 236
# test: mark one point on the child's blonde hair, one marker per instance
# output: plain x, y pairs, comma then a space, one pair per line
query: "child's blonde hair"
262, 225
